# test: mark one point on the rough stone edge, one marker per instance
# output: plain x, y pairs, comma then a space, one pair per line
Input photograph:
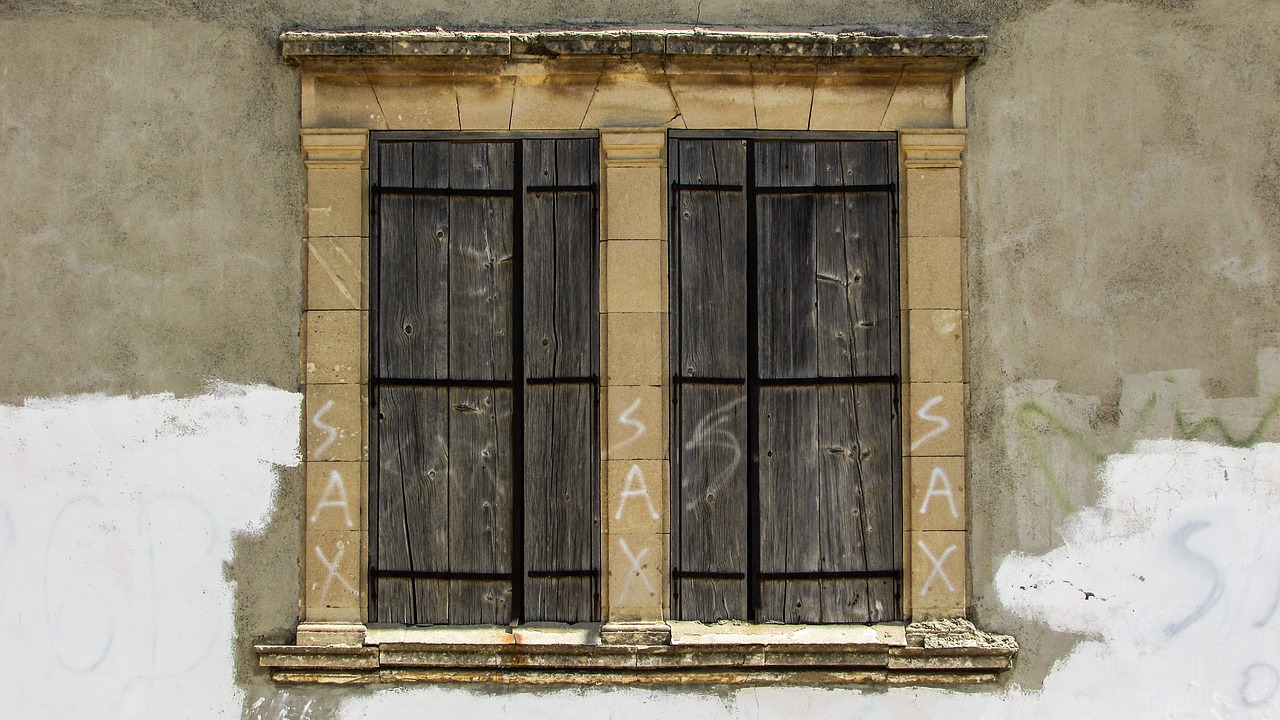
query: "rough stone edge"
297, 45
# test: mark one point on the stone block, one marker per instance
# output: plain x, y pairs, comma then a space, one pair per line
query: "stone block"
936, 345
335, 495
329, 634
335, 422
936, 419
637, 494
333, 564
335, 202
552, 102
714, 101
631, 97
637, 576
937, 493
344, 103
919, 102
634, 207
485, 103
634, 422
635, 276
635, 348
409, 105
935, 272
335, 273
856, 102
939, 575
783, 102
334, 346
933, 202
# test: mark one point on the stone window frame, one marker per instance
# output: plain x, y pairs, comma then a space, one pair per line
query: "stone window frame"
632, 87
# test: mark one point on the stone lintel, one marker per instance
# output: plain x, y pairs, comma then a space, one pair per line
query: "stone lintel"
961, 42
933, 148
335, 148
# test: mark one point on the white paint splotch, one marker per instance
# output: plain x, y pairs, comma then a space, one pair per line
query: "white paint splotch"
1174, 577
116, 518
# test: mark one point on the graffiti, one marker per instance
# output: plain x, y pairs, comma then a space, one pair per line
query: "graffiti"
937, 571
1063, 436
636, 571
635, 487
331, 432
1180, 538
940, 486
334, 496
941, 424
626, 419
333, 572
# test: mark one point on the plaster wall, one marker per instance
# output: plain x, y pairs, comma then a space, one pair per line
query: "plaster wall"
1123, 164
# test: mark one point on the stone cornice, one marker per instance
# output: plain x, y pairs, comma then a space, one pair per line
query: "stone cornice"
962, 44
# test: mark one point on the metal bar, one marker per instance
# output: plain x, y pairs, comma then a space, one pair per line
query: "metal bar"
792, 135
561, 573
823, 189
439, 575
708, 380
573, 380
851, 380
753, 393
518, 389
375, 214
832, 575
696, 575
560, 188
441, 383
679, 186
378, 190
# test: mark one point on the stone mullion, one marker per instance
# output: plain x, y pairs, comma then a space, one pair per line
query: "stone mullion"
634, 349
335, 386
935, 398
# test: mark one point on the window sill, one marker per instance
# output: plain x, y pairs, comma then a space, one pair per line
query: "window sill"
944, 652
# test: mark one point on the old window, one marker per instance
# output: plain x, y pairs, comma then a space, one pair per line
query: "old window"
785, 444
484, 379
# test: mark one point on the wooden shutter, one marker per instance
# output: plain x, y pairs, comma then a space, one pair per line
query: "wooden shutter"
484, 348
785, 340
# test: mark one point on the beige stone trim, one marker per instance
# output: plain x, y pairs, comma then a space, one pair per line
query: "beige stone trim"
632, 100
335, 385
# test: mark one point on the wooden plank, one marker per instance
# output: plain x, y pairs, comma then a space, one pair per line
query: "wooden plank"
789, 501
786, 286
395, 601
480, 264
711, 499
413, 485
840, 518
479, 502
412, 268
711, 234
875, 414
562, 501
712, 599
560, 239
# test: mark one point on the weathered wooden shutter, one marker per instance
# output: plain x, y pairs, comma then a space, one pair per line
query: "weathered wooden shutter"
785, 352
484, 380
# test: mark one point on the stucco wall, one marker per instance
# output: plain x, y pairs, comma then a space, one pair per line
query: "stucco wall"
1123, 164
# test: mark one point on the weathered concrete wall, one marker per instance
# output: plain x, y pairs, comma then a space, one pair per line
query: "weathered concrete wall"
1123, 169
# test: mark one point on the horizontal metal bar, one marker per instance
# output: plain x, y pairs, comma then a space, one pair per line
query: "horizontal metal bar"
785, 135
437, 575
439, 383
832, 575
823, 189
560, 188
562, 573
697, 186
708, 380
847, 380
576, 380
696, 575
444, 192
792, 382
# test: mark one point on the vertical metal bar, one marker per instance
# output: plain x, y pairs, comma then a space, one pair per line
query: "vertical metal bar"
375, 213
517, 385
753, 392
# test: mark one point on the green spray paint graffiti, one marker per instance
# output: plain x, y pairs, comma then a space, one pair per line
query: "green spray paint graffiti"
1055, 434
